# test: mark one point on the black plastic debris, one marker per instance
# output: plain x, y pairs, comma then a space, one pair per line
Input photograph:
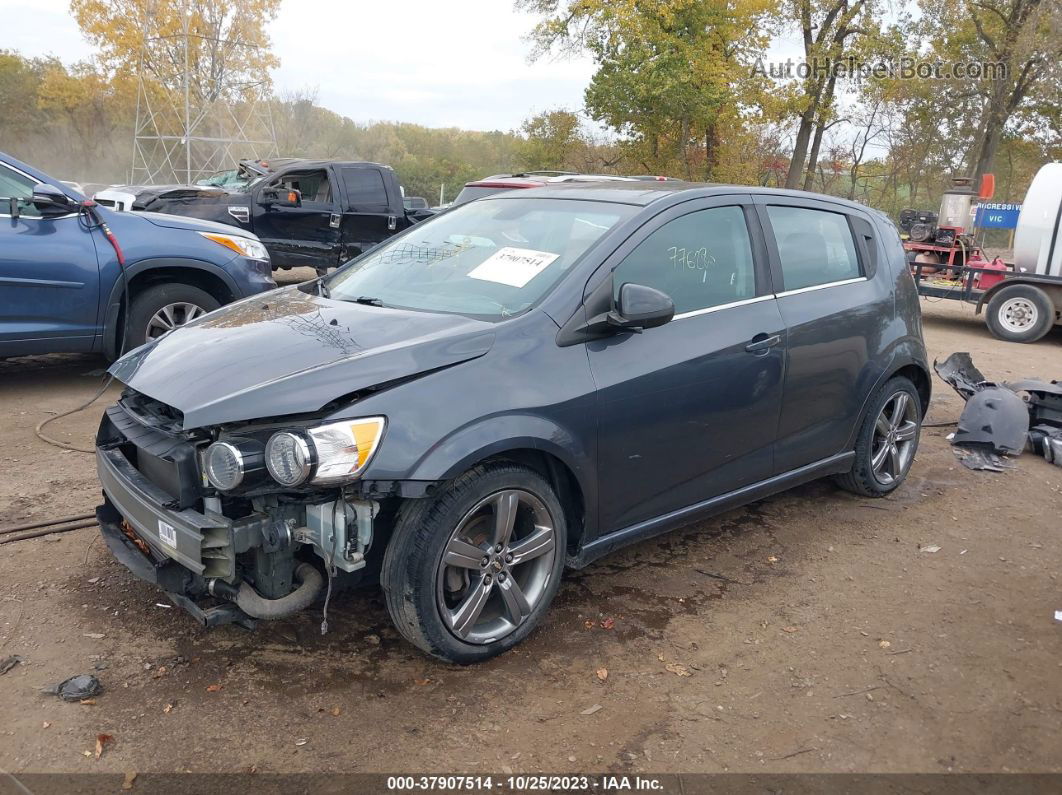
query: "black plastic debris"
996, 417
8, 663
76, 688
997, 421
958, 370
1046, 441
981, 457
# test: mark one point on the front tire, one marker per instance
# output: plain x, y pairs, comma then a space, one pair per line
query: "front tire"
162, 308
1020, 313
887, 441
469, 574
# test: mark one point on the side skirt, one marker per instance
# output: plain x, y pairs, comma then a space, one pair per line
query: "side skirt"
602, 546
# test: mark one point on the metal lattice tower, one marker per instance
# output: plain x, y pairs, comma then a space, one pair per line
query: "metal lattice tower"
193, 115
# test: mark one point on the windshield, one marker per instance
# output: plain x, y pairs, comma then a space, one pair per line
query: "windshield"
491, 258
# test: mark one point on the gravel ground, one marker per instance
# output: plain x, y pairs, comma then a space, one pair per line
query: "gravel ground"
813, 631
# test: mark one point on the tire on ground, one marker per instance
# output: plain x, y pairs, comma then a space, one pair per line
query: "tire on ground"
1040, 300
414, 552
145, 304
861, 479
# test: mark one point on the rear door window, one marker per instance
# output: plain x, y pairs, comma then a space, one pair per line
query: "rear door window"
700, 260
366, 190
815, 247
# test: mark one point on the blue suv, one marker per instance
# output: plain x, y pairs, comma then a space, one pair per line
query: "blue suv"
60, 278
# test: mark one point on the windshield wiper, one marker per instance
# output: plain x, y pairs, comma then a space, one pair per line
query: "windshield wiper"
368, 300
322, 288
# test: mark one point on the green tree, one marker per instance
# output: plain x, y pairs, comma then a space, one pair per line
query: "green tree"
1024, 38
671, 74
551, 141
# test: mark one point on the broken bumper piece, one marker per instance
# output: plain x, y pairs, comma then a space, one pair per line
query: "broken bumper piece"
174, 580
997, 421
160, 545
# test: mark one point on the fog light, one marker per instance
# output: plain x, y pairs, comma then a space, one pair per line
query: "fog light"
224, 466
288, 458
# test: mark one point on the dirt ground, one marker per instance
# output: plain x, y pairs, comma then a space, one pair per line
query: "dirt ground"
813, 631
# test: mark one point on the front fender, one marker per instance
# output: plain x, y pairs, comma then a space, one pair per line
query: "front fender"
493, 436
113, 310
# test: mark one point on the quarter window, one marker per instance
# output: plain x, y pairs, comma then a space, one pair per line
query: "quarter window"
815, 246
700, 260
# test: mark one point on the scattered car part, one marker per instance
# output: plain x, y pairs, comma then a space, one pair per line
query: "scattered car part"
76, 688
8, 663
994, 416
958, 370
997, 421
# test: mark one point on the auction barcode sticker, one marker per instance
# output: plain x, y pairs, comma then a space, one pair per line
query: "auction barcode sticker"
513, 266
167, 534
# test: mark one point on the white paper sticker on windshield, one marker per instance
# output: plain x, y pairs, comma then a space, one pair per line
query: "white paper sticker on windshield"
513, 266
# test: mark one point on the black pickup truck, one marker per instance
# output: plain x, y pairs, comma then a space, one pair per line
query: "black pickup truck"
316, 213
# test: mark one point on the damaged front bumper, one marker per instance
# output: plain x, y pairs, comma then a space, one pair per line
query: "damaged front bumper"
256, 554
179, 551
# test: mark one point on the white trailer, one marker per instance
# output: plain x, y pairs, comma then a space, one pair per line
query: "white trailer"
1025, 305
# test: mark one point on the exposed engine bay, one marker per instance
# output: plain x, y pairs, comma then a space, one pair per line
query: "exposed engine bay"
260, 549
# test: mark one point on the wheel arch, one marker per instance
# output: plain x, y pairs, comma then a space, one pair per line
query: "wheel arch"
169, 270
532, 441
908, 360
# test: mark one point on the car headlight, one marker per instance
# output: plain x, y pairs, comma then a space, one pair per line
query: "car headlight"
288, 458
226, 464
331, 453
344, 448
244, 246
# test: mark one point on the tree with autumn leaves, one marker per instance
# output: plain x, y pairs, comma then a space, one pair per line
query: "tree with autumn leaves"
677, 80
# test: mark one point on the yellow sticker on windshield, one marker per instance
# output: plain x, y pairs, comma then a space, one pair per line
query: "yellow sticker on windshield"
513, 266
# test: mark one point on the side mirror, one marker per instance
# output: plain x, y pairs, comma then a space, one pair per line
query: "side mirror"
50, 201
279, 197
641, 307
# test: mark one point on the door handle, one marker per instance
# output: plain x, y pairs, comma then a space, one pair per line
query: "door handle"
762, 343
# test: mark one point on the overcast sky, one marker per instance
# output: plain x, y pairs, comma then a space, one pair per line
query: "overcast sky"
461, 63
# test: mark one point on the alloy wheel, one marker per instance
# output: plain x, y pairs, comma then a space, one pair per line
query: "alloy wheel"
496, 566
895, 433
170, 317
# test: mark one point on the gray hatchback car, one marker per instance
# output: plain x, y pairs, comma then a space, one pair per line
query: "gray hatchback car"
524, 383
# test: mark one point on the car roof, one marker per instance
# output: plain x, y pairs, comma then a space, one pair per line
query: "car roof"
642, 193
277, 163
526, 179
502, 181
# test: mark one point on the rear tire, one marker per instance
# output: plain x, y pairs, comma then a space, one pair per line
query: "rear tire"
163, 305
1020, 313
887, 441
459, 588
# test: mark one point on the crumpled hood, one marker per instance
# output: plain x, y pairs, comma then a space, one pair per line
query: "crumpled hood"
287, 352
